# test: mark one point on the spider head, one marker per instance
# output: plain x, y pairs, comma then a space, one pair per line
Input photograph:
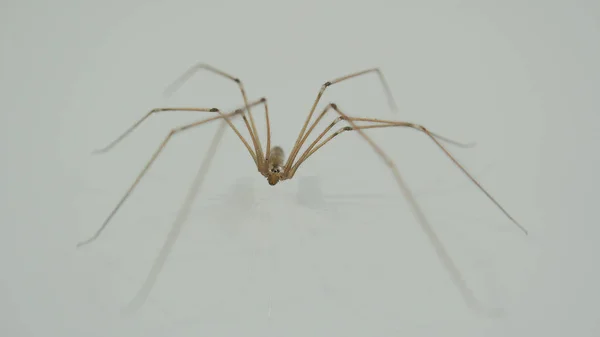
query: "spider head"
274, 175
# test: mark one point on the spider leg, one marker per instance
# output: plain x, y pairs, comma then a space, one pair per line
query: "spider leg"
265, 167
154, 112
327, 84
311, 148
251, 127
289, 173
177, 225
440, 250
173, 132
387, 123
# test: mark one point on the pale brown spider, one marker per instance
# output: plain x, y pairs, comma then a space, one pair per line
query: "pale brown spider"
273, 166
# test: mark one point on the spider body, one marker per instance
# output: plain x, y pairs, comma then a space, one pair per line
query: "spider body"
275, 162
275, 168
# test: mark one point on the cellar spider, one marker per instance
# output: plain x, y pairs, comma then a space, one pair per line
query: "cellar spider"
272, 165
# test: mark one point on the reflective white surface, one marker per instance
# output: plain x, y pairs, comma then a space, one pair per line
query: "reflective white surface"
336, 251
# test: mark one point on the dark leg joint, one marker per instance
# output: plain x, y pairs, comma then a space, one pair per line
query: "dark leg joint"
214, 110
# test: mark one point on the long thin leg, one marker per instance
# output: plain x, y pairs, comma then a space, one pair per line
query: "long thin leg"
177, 226
267, 120
435, 137
301, 142
298, 144
251, 128
436, 242
311, 148
147, 115
316, 122
155, 156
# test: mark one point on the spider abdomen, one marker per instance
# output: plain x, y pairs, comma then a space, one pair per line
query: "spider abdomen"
276, 158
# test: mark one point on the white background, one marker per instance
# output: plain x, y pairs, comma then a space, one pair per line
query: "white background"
336, 251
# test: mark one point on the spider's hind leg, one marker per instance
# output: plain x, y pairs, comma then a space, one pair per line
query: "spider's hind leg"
439, 248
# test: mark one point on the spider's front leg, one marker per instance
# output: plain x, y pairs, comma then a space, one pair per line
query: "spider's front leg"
220, 116
303, 133
260, 156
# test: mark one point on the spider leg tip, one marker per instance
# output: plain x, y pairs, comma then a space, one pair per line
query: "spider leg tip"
100, 151
521, 227
85, 242
168, 92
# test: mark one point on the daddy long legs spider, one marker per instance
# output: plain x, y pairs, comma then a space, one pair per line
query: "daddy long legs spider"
271, 162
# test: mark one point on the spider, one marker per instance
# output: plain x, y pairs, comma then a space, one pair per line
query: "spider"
271, 162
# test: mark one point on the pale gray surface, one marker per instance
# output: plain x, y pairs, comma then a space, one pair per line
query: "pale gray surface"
521, 79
